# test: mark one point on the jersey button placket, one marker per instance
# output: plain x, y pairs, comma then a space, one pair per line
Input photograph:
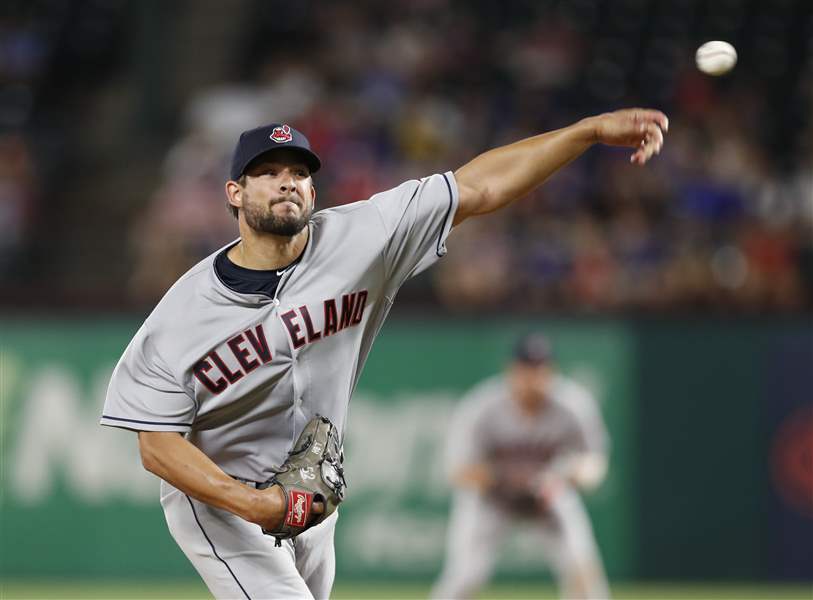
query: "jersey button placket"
298, 413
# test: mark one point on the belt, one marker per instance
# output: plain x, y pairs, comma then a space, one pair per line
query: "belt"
250, 482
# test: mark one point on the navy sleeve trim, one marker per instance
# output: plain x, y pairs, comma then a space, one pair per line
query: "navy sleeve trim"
446, 218
145, 422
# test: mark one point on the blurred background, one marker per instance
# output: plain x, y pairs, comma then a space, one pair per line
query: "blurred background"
681, 293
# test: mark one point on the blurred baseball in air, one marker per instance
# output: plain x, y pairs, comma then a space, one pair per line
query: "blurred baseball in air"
716, 58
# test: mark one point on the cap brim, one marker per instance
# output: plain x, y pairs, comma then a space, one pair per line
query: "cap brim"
532, 360
309, 158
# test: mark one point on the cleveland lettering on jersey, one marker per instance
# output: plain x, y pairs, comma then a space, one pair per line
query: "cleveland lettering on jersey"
299, 323
217, 371
249, 348
517, 452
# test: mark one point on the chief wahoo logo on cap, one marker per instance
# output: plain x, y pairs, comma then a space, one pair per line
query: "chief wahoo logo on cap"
281, 134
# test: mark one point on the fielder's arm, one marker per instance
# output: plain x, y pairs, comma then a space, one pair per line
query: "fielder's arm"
496, 178
477, 476
585, 470
174, 459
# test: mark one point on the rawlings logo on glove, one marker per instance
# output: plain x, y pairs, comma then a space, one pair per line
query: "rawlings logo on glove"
298, 508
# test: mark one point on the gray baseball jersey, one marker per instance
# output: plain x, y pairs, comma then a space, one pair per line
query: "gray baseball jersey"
241, 374
488, 427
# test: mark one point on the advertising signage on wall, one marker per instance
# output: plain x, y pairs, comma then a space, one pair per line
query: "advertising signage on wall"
85, 485
710, 428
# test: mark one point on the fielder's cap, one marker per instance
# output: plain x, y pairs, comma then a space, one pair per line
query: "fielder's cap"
533, 348
258, 141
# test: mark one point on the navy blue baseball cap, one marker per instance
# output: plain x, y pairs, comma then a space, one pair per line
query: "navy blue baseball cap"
258, 141
534, 349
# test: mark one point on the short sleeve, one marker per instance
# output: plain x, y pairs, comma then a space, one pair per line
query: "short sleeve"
143, 395
590, 434
464, 445
417, 217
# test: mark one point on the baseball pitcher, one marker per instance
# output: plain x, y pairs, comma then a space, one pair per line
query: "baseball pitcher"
238, 382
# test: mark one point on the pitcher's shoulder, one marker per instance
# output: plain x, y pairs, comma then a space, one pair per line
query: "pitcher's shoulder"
347, 222
185, 299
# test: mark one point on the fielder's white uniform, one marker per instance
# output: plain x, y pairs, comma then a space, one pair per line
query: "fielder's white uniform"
488, 428
240, 374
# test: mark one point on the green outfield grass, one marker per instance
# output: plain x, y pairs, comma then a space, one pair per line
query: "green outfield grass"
11, 590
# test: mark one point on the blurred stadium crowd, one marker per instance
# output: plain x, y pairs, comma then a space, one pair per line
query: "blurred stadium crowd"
95, 211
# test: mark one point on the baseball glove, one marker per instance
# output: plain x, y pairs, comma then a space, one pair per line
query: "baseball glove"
515, 489
312, 473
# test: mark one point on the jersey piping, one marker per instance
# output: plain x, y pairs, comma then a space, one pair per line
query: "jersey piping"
439, 250
146, 422
214, 550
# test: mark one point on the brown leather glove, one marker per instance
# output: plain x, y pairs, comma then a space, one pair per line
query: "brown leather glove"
312, 473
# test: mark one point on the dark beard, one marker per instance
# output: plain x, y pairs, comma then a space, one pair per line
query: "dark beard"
262, 219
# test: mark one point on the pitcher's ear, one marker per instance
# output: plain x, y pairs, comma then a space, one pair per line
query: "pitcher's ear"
234, 194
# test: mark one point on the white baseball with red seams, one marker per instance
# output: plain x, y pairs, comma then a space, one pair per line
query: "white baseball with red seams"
716, 57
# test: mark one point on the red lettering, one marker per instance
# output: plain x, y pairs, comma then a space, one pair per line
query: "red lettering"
348, 308
331, 320
230, 375
259, 343
361, 301
306, 316
293, 328
200, 370
242, 354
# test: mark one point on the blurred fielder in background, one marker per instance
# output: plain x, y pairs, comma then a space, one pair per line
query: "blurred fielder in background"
521, 445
